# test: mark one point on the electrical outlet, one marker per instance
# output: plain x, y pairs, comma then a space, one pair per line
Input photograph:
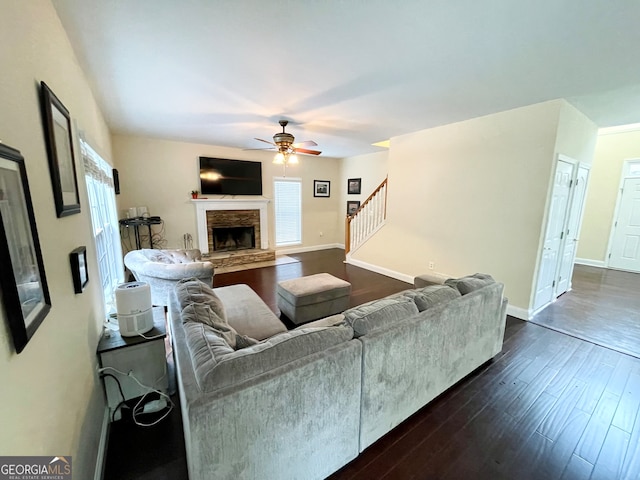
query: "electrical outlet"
431, 265
322, 234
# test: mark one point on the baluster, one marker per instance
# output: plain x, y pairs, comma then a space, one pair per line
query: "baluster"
355, 231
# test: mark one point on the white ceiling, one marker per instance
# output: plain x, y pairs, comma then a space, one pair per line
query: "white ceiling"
348, 73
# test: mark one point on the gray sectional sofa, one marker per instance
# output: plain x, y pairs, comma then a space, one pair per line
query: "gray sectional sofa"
259, 401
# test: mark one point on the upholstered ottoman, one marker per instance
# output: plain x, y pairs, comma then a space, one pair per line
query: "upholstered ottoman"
312, 297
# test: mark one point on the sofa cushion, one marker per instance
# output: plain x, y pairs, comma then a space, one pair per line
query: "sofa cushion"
378, 314
247, 313
199, 303
158, 256
432, 295
203, 313
171, 256
471, 282
427, 279
183, 256
218, 366
192, 290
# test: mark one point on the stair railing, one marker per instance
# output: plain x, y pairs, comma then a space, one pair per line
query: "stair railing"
365, 221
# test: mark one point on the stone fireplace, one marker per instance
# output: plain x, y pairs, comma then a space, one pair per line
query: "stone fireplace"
227, 225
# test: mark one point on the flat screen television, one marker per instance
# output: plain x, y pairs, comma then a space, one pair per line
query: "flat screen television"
230, 177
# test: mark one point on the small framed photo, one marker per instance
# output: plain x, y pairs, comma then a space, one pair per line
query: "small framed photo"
354, 186
78, 259
352, 207
57, 129
321, 188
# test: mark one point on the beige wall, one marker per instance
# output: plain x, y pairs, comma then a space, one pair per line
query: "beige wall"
159, 174
610, 153
52, 402
577, 135
471, 198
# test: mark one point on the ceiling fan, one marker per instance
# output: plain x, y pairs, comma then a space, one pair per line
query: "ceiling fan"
283, 143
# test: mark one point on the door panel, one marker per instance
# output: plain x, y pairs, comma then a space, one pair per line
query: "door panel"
553, 234
571, 235
625, 248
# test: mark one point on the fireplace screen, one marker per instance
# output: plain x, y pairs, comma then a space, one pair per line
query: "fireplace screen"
233, 238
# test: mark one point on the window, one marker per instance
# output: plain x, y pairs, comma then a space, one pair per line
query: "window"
288, 209
634, 168
104, 219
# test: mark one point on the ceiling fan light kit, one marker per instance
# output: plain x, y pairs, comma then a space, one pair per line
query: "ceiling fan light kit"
287, 150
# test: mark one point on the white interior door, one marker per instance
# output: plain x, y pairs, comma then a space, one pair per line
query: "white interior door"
545, 288
625, 247
568, 257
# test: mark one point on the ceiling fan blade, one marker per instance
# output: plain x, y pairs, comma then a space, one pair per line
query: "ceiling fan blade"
308, 152
265, 141
266, 148
306, 143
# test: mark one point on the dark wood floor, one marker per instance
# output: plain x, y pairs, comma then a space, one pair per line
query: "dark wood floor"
603, 307
548, 406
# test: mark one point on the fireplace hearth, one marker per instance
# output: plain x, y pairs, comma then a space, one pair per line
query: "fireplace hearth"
226, 239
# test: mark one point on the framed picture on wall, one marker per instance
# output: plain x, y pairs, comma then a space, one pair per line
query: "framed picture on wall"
57, 129
78, 260
321, 188
352, 207
25, 294
354, 186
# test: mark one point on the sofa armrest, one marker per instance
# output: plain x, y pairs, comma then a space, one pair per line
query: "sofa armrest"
217, 368
427, 279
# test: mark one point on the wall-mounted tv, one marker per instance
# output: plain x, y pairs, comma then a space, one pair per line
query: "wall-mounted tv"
230, 177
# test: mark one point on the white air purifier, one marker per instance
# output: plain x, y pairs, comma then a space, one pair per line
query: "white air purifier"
133, 304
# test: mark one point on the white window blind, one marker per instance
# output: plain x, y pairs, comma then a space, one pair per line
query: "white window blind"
104, 218
288, 210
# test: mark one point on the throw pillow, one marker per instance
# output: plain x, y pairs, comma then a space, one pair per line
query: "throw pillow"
159, 257
203, 313
470, 283
192, 290
432, 295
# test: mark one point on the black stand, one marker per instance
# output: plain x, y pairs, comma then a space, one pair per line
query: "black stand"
136, 223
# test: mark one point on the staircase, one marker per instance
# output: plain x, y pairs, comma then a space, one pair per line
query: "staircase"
367, 220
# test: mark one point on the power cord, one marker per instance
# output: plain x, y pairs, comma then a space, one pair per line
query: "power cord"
139, 407
152, 338
123, 403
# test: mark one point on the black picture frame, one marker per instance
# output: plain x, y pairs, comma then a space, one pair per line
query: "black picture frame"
352, 206
59, 140
25, 293
79, 268
321, 188
354, 186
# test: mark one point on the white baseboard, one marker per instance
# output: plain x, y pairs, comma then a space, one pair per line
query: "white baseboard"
521, 313
313, 248
381, 270
102, 446
591, 263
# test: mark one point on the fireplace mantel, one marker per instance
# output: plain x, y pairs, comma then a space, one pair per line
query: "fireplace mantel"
250, 203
